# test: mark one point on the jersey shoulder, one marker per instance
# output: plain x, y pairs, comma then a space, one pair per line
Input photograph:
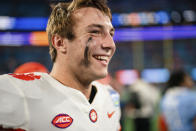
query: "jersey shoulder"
15, 89
29, 84
12, 103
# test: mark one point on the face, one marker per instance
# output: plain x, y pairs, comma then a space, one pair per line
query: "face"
89, 54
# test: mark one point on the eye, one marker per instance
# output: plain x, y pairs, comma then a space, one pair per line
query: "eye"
95, 32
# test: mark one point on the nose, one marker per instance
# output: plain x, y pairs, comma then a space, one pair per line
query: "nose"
108, 43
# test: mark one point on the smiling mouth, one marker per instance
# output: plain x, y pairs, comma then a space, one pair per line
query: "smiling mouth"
103, 59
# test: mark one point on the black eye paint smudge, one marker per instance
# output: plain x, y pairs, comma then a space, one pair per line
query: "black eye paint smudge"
86, 61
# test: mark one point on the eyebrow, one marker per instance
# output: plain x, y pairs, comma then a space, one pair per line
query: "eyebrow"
98, 26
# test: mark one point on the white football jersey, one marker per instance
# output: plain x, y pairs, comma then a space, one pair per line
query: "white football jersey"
37, 102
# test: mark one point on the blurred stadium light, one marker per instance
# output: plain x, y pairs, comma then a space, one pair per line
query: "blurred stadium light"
121, 35
155, 33
127, 77
155, 75
119, 20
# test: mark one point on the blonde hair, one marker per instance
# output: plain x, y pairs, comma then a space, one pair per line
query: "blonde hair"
61, 21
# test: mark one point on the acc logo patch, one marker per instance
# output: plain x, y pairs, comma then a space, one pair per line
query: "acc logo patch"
62, 121
26, 77
93, 115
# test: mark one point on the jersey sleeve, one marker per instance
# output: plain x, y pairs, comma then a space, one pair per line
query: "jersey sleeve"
12, 103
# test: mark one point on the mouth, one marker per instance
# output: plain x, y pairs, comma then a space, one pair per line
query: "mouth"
103, 59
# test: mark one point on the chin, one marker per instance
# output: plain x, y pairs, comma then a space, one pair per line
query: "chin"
102, 74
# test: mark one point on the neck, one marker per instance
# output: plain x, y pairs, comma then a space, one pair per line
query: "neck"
68, 79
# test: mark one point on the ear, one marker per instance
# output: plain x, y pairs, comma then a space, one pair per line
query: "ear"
59, 43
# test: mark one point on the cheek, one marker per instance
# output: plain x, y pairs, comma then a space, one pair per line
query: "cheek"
76, 48
92, 49
77, 54
94, 46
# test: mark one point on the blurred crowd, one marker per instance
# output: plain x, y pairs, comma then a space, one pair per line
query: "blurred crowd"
151, 107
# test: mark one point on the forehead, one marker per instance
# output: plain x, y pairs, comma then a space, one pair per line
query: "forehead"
88, 15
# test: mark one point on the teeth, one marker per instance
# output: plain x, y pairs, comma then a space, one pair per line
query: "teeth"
101, 57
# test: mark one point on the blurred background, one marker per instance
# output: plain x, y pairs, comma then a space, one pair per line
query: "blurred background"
153, 38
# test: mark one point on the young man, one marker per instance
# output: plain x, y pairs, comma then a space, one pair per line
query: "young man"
81, 45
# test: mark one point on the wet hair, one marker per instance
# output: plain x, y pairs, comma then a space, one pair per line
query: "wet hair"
61, 20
